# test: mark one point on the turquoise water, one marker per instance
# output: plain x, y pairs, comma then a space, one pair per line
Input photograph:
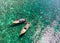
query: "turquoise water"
42, 14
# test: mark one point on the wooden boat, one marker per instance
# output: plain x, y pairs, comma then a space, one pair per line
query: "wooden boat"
19, 21
25, 28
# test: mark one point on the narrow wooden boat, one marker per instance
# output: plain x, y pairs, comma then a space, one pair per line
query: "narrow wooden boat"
19, 21
25, 28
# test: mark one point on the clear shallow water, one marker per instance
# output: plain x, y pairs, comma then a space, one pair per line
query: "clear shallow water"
43, 14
